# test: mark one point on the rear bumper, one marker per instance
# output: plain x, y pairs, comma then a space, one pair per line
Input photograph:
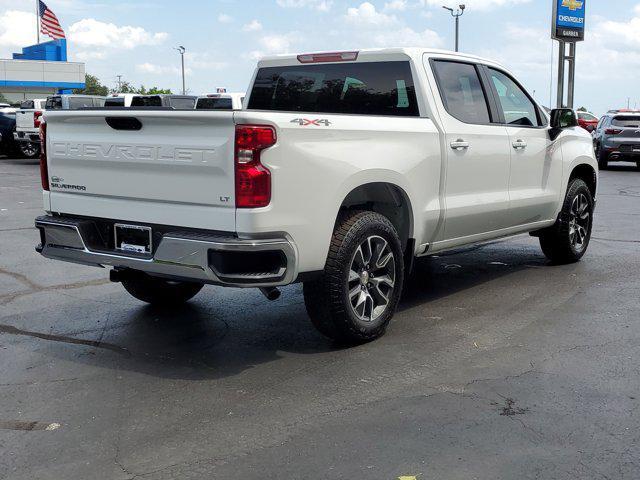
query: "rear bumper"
181, 255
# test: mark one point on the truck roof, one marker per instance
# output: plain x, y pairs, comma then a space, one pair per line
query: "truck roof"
371, 54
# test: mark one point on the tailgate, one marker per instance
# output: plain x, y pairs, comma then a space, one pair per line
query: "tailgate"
161, 167
24, 120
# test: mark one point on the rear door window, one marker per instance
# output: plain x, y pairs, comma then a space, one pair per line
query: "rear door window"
461, 91
367, 88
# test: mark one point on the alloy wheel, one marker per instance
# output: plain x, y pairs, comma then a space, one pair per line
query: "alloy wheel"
580, 222
372, 278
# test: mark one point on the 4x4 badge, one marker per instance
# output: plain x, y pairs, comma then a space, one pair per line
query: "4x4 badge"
306, 122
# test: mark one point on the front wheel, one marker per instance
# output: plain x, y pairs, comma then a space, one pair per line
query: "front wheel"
159, 291
29, 150
355, 299
567, 241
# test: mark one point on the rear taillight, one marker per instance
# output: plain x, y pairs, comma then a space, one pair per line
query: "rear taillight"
37, 119
612, 131
44, 170
253, 180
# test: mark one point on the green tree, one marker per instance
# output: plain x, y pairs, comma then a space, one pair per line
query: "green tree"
582, 109
92, 87
126, 87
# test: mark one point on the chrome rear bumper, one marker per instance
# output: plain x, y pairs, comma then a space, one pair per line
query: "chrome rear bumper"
180, 255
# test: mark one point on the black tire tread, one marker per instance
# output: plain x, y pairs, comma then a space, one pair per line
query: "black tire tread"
555, 240
324, 297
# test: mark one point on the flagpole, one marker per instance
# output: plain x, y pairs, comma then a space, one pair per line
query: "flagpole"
38, 20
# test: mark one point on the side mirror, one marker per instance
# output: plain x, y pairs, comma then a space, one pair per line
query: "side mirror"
562, 118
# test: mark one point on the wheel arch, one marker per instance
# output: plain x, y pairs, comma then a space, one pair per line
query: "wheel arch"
588, 173
385, 198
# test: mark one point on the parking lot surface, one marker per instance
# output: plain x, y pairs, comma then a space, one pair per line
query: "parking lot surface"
497, 366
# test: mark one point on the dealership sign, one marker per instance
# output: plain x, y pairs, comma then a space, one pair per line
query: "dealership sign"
568, 20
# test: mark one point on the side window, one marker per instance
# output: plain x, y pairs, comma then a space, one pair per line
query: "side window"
462, 92
516, 105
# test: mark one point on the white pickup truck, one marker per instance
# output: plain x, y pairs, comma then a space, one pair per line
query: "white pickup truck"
341, 170
28, 120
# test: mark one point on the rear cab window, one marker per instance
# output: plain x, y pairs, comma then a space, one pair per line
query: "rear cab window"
215, 103
362, 88
114, 102
182, 103
54, 103
76, 103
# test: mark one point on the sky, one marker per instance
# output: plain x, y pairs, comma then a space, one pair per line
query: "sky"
224, 38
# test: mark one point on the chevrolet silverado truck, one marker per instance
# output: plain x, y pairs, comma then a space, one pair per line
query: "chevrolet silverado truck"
342, 169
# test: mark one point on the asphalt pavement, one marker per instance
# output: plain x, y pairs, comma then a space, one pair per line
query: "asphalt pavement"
497, 366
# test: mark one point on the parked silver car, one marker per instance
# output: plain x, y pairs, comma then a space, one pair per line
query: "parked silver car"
617, 138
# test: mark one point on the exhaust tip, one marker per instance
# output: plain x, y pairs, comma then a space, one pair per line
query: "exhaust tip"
271, 293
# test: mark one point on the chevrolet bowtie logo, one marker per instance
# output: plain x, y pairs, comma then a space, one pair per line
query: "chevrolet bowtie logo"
572, 5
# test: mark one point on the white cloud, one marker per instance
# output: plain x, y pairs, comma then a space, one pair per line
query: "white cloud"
17, 28
399, 5
161, 69
371, 27
273, 44
367, 15
252, 26
89, 32
224, 18
321, 5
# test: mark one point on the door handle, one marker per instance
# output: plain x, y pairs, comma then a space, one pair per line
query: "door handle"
519, 144
459, 145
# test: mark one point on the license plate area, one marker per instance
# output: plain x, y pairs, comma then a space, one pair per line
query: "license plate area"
133, 238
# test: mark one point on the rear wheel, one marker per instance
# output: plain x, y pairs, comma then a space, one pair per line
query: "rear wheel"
567, 241
359, 291
159, 291
29, 150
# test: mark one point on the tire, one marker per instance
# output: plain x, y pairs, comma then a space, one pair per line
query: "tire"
568, 240
603, 159
29, 150
358, 293
638, 165
159, 291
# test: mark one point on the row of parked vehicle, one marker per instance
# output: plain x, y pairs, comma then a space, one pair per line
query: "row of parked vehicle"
19, 127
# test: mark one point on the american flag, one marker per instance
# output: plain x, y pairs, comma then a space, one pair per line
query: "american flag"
49, 24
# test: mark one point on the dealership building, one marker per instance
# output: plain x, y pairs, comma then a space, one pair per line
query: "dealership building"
39, 71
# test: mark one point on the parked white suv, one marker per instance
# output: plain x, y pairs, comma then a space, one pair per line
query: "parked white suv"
342, 169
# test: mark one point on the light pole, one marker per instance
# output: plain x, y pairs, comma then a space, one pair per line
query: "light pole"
457, 14
181, 49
